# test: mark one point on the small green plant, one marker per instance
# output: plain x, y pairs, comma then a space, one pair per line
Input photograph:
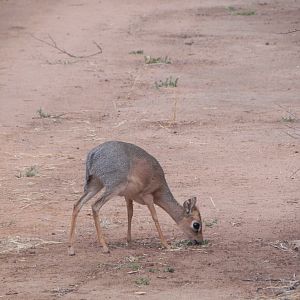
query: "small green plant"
137, 52
142, 281
183, 243
29, 172
169, 269
187, 243
42, 114
211, 223
169, 82
203, 243
156, 60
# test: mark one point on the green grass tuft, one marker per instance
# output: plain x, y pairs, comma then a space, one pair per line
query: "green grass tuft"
137, 52
142, 281
42, 114
169, 270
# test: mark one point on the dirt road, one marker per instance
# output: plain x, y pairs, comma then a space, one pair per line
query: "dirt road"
229, 133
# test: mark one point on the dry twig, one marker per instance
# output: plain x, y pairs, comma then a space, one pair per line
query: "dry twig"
54, 45
292, 136
294, 173
290, 31
17, 244
212, 201
279, 245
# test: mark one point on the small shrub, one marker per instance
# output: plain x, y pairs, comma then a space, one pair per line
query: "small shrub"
134, 266
289, 119
31, 171
169, 82
156, 60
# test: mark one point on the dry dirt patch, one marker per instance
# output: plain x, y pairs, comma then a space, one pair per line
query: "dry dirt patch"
228, 133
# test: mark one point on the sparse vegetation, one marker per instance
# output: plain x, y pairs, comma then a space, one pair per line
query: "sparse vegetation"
157, 60
246, 13
169, 269
238, 12
42, 114
186, 243
134, 266
142, 281
231, 8
290, 116
29, 172
211, 223
290, 119
137, 52
169, 82
204, 242
130, 262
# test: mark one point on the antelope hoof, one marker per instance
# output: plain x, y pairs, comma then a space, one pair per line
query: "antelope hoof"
105, 250
166, 246
71, 251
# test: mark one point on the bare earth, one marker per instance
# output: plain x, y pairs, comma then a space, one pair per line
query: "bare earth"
229, 133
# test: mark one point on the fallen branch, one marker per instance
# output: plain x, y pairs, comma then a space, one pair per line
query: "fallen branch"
54, 45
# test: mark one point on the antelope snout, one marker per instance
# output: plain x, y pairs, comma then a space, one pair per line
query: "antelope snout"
199, 240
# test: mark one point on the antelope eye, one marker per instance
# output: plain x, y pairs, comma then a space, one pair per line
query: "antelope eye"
196, 226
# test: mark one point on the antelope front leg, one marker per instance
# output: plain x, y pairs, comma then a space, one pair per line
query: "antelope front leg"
129, 214
148, 199
100, 236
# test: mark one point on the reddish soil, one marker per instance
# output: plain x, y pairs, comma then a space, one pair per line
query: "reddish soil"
229, 133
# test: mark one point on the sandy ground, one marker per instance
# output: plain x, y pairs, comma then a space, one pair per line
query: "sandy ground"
229, 133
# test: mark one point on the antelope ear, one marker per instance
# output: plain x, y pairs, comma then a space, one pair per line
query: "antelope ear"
189, 205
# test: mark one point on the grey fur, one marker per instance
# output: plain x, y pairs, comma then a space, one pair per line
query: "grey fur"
110, 162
